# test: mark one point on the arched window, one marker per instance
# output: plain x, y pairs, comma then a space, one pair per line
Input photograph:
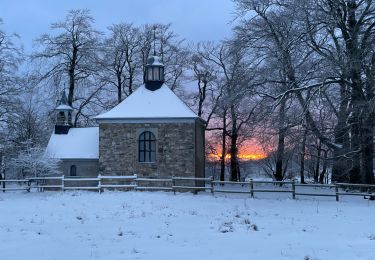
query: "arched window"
73, 170
147, 147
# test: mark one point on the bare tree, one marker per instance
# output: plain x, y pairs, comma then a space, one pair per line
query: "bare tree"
32, 162
11, 57
343, 33
10, 60
274, 34
236, 82
122, 58
71, 54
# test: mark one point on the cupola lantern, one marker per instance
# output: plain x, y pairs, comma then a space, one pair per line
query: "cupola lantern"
154, 73
63, 116
154, 70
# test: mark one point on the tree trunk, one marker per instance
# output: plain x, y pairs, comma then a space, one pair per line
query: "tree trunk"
340, 164
303, 154
317, 165
72, 70
279, 176
357, 95
324, 170
223, 147
131, 76
202, 95
119, 88
354, 173
131, 72
367, 142
234, 164
367, 152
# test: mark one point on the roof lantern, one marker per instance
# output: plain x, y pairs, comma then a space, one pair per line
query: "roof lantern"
154, 71
63, 115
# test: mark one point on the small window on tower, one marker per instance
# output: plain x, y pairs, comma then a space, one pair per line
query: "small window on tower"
69, 117
149, 73
161, 74
156, 73
61, 118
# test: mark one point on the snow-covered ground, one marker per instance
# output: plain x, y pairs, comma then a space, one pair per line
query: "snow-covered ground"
153, 225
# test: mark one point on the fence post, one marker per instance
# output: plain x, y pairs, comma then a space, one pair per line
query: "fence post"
252, 188
173, 184
28, 185
337, 192
212, 185
135, 181
62, 183
100, 183
294, 189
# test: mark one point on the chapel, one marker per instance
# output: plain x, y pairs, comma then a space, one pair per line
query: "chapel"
151, 133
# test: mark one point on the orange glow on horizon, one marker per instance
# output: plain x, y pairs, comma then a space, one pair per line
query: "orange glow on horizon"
249, 150
250, 157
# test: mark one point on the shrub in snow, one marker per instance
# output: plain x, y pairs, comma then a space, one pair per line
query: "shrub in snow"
226, 227
254, 227
246, 221
33, 162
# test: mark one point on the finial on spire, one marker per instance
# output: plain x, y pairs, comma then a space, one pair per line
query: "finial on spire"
154, 40
64, 99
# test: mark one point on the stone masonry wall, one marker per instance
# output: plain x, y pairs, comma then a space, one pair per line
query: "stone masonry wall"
175, 150
85, 168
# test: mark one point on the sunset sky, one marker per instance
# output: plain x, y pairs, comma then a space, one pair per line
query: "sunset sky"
193, 20
248, 150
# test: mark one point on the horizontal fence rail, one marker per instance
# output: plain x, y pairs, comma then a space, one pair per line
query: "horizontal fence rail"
132, 182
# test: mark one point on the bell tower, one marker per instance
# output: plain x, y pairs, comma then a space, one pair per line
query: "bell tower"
154, 71
154, 74
63, 116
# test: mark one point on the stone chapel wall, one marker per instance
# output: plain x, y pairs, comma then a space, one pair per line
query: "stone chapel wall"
175, 146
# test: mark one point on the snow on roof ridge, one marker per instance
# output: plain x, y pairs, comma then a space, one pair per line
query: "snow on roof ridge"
79, 143
144, 103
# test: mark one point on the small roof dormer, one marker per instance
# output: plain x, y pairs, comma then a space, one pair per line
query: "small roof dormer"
154, 73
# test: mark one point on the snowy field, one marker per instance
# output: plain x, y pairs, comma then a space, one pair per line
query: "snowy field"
152, 225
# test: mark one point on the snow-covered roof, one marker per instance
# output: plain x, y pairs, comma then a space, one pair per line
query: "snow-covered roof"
79, 143
144, 103
154, 61
64, 107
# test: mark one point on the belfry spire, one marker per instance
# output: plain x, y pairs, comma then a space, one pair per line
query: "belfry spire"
63, 115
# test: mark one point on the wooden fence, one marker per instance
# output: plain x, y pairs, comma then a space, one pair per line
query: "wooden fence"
174, 184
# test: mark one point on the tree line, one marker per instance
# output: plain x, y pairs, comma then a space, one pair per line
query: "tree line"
297, 76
